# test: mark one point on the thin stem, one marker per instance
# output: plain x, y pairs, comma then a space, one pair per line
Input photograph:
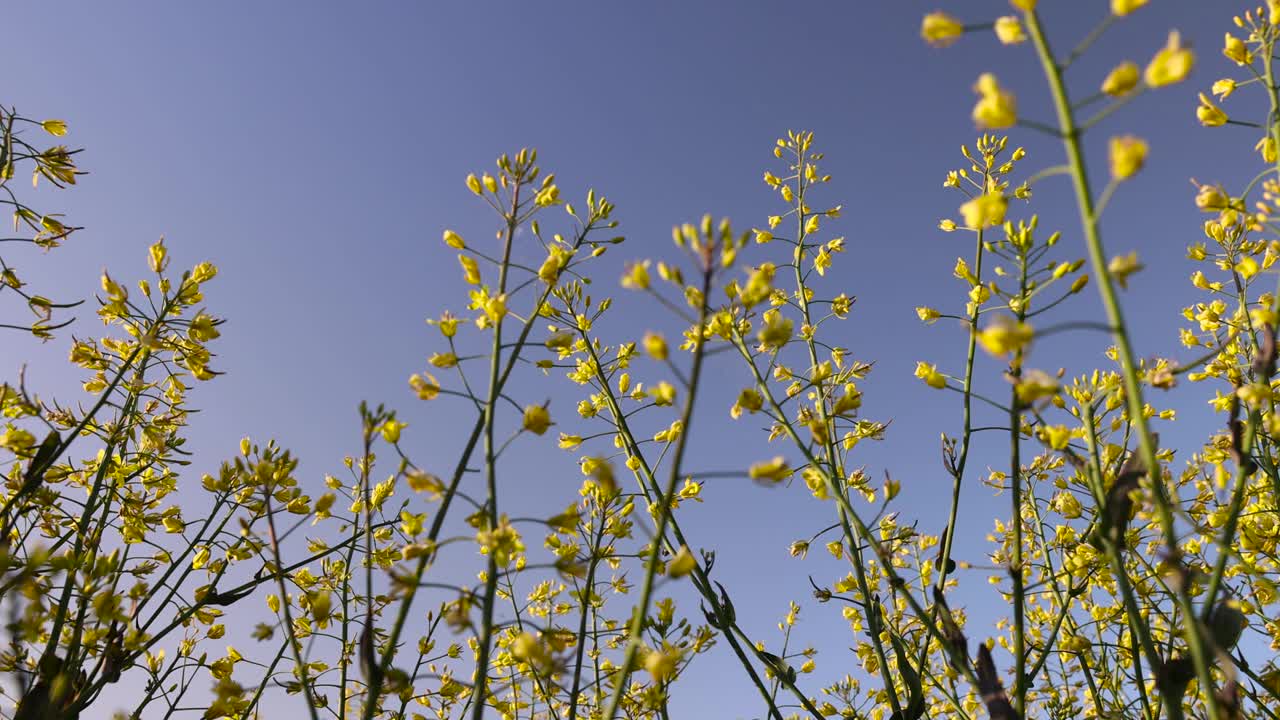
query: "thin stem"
636, 626
491, 467
290, 635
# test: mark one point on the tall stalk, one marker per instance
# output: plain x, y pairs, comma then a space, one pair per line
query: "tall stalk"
1071, 135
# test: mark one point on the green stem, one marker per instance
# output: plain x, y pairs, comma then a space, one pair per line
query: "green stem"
587, 591
491, 466
702, 581
290, 635
873, 609
460, 469
1016, 565
664, 500
1132, 612
1071, 139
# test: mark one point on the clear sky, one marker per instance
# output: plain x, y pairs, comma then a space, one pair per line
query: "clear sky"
315, 152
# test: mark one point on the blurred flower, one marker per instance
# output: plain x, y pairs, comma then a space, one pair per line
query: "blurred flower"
1128, 154
1210, 115
996, 107
940, 29
1121, 80
1171, 64
1009, 30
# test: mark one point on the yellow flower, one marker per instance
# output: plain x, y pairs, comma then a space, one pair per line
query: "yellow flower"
1066, 504
671, 433
929, 373
682, 564
1171, 64
57, 128
547, 196
750, 400
420, 481
391, 430
655, 346
473, 184
470, 270
996, 108
637, 277
1211, 198
1247, 267
927, 315
222, 668
1274, 7
851, 400
1035, 384
526, 648
664, 394
1121, 80
1266, 147
425, 386
443, 360
1235, 50
1023, 4
557, 259
985, 210
1122, 266
1254, 394
1009, 30
16, 439
776, 331
536, 419
453, 240
1223, 88
203, 328
1128, 153
203, 272
662, 664
158, 257
115, 292
1005, 335
495, 308
774, 470
822, 261
1120, 8
1210, 115
940, 29
503, 541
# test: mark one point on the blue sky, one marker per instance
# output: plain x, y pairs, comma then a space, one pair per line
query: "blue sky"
316, 151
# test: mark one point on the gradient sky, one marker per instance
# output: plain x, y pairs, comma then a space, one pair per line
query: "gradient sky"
316, 151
